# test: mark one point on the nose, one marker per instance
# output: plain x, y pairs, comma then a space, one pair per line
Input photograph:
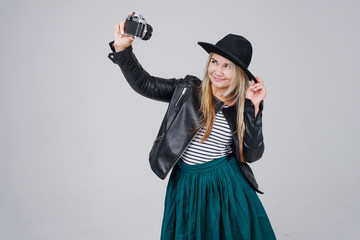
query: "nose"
219, 71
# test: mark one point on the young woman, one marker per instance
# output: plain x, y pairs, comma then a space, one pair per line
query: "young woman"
211, 129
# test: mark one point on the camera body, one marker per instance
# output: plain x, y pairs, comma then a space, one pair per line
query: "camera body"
136, 26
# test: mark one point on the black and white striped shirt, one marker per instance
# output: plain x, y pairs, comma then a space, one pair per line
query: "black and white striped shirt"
218, 144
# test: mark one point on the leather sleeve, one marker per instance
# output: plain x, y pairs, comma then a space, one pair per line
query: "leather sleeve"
253, 141
141, 81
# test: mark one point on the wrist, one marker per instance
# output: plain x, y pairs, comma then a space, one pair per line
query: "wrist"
254, 103
119, 48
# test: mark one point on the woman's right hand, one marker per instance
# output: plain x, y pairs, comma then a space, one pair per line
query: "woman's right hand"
121, 41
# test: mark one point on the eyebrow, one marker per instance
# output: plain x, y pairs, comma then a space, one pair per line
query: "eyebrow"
227, 63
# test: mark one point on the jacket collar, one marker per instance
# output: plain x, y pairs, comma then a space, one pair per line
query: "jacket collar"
218, 104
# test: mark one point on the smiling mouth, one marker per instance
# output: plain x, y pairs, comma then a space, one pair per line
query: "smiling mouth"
218, 79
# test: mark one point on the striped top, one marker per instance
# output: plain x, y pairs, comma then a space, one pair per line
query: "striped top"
218, 144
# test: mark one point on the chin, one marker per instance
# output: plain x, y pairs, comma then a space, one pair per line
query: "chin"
221, 85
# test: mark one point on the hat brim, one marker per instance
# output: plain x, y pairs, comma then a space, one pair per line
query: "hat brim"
211, 48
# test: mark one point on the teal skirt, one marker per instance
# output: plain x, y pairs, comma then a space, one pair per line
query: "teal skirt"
213, 201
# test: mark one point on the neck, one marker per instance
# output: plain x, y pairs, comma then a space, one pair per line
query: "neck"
219, 94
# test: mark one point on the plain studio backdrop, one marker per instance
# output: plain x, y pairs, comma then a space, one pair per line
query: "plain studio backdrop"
75, 138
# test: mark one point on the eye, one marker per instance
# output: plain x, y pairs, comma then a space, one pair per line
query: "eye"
213, 61
228, 66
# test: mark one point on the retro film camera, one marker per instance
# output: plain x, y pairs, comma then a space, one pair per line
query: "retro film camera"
136, 26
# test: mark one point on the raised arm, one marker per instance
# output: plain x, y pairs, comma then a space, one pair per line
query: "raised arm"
253, 142
141, 81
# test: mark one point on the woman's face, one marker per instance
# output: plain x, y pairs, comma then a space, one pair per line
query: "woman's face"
220, 71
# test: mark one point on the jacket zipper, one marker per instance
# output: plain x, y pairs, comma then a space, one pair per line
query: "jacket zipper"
191, 139
159, 137
182, 94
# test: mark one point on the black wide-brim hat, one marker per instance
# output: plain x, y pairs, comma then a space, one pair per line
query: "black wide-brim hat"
235, 48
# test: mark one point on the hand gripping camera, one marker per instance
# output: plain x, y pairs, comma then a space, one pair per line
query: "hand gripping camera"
136, 26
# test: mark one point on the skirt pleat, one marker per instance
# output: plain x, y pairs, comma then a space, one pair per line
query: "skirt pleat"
213, 201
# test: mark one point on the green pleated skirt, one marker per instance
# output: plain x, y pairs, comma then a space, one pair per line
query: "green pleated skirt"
213, 201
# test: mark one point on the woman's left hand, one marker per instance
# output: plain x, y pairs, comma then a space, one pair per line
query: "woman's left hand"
256, 91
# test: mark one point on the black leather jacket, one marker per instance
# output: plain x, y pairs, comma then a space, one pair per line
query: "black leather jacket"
183, 117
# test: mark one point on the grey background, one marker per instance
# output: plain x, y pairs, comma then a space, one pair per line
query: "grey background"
74, 137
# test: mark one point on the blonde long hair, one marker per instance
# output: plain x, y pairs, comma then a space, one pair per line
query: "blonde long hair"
236, 92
